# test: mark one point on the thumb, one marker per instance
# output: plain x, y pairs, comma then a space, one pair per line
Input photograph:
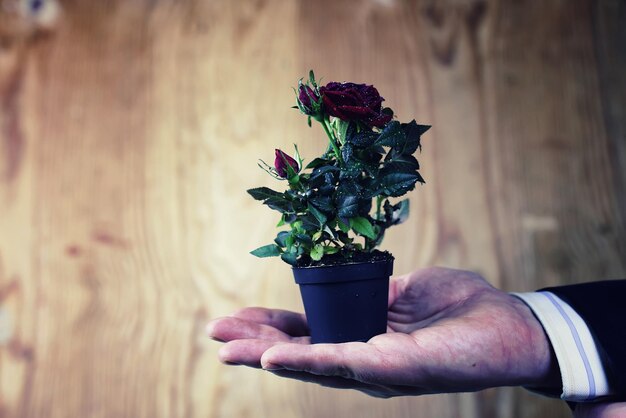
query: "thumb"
397, 286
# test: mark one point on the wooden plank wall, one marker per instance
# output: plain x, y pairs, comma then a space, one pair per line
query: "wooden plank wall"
129, 131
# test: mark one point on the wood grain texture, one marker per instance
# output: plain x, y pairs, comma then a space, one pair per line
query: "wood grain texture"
129, 131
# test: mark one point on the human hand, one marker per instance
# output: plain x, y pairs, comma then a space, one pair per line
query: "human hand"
600, 410
448, 331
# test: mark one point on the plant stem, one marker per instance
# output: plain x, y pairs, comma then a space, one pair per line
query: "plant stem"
379, 200
298, 187
333, 142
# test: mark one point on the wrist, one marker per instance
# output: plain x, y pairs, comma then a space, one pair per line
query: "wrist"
546, 375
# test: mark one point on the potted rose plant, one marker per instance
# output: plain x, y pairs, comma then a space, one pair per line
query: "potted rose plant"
336, 209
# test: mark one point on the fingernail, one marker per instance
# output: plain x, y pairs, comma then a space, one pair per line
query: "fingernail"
271, 367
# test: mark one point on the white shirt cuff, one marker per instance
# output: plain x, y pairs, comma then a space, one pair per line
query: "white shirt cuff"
582, 373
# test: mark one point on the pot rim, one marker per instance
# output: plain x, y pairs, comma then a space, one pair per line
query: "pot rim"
347, 272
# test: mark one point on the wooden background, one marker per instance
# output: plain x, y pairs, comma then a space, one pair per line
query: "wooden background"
130, 129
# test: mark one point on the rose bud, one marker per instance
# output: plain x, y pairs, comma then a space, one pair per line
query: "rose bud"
356, 102
282, 162
306, 95
309, 101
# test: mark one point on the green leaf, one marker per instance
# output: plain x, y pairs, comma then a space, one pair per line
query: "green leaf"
398, 171
392, 136
420, 129
345, 228
281, 238
320, 172
403, 163
281, 205
352, 171
317, 236
379, 239
286, 218
361, 139
270, 250
413, 131
347, 151
297, 226
275, 200
347, 206
400, 212
349, 196
363, 227
321, 218
263, 193
345, 239
304, 239
323, 203
309, 222
331, 250
323, 180
318, 162
397, 184
317, 252
329, 231
289, 258
326, 191
371, 161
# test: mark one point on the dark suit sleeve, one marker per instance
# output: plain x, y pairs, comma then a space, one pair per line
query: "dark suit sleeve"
602, 305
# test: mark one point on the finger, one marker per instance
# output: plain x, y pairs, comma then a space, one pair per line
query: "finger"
425, 292
334, 382
358, 361
375, 390
229, 328
396, 288
291, 323
244, 352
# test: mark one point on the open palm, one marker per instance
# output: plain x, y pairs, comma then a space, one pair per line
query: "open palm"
448, 331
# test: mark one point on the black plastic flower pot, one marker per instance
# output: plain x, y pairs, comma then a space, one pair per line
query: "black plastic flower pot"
346, 302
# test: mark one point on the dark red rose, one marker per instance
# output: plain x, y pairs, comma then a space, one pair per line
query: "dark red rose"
358, 102
283, 161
